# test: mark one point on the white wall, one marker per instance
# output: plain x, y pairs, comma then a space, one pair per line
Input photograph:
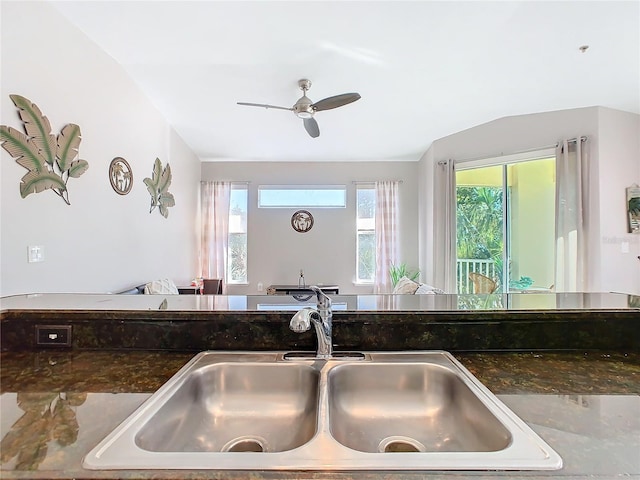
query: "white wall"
619, 168
102, 241
326, 253
425, 217
614, 157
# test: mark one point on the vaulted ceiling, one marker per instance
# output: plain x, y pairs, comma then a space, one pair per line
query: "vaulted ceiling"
424, 69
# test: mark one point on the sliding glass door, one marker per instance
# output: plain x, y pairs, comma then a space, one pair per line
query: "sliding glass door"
505, 227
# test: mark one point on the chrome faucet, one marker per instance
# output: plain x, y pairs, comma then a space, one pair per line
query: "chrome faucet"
321, 319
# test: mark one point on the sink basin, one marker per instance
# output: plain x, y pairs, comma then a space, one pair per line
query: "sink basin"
413, 407
278, 411
235, 407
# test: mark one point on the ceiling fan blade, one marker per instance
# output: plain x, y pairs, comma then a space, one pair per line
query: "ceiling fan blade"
335, 101
263, 105
311, 126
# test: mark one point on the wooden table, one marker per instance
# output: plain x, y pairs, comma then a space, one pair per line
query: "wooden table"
189, 290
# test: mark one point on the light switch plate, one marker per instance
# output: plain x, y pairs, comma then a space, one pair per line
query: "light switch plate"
35, 253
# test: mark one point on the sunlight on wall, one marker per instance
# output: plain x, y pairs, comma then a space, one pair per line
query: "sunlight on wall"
533, 220
480, 177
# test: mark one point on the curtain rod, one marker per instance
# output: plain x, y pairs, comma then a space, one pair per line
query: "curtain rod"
230, 181
502, 154
361, 182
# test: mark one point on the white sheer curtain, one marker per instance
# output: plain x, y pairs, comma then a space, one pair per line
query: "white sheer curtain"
572, 177
444, 226
214, 209
386, 233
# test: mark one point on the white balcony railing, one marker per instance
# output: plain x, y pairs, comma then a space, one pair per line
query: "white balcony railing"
464, 266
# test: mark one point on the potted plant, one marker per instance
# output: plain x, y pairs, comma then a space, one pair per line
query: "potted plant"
396, 272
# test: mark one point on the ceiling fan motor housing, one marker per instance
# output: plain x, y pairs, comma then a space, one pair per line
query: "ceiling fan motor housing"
303, 108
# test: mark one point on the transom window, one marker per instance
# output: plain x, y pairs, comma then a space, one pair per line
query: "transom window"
287, 196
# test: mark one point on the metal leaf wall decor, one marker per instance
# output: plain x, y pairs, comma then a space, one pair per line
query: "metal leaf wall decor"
158, 186
50, 159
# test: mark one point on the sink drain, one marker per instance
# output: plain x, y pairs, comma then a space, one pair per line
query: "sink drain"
399, 443
246, 444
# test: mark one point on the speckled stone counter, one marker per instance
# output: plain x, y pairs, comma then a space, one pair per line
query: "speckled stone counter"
57, 405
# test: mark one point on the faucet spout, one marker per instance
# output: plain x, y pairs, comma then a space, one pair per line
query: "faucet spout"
301, 321
321, 318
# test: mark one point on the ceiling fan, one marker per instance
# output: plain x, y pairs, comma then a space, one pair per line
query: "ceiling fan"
304, 108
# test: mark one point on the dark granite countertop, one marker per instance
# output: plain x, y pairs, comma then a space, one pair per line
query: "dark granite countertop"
57, 405
525, 322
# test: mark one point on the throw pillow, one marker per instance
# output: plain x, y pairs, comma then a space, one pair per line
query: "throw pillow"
428, 289
164, 286
405, 286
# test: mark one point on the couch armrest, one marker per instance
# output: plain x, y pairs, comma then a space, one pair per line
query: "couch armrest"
137, 290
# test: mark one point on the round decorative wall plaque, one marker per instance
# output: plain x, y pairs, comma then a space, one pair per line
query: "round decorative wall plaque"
120, 175
302, 221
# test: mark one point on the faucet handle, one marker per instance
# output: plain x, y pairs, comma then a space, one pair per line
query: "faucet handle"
323, 300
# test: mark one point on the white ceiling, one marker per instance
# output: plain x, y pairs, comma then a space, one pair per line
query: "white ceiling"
424, 69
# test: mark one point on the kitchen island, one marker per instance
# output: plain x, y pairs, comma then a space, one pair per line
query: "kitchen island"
58, 403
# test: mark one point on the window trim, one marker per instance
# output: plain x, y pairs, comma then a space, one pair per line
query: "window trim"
507, 159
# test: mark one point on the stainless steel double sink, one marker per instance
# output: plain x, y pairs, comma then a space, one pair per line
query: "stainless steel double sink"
367, 411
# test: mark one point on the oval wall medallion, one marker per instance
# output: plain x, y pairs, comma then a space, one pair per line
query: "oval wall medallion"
302, 221
120, 175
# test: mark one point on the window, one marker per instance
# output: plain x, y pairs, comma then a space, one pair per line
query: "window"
505, 219
237, 248
366, 246
284, 196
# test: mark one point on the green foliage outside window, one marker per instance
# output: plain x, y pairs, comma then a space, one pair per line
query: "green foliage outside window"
366, 256
366, 247
479, 223
238, 257
479, 228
